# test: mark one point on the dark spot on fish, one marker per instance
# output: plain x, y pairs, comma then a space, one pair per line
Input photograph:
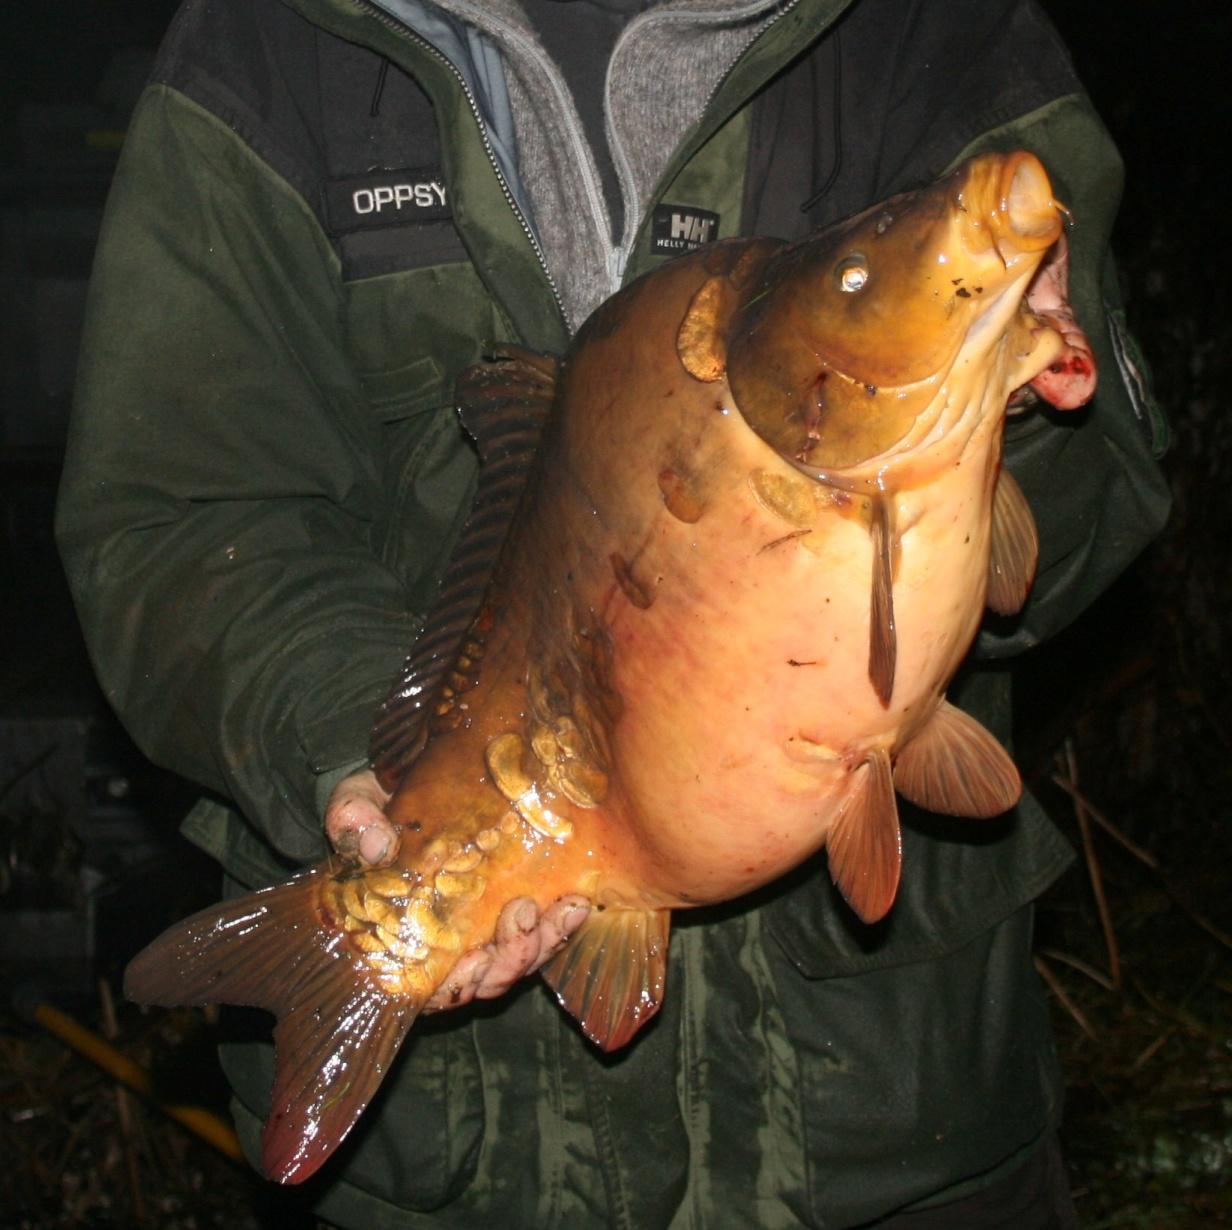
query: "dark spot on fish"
455, 994
632, 589
956, 281
416, 827
793, 662
779, 541
679, 498
1074, 366
963, 293
979, 290
871, 390
966, 540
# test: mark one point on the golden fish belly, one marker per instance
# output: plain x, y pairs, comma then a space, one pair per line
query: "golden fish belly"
738, 619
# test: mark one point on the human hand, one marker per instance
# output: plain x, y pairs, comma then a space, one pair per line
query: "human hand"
524, 940
357, 827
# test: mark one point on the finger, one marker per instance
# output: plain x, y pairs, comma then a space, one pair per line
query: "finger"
560, 920
355, 821
518, 952
522, 942
490, 971
463, 981
515, 947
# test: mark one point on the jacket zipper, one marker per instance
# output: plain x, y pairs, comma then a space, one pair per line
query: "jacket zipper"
405, 31
618, 260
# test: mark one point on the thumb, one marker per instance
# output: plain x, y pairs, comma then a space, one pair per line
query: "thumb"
355, 821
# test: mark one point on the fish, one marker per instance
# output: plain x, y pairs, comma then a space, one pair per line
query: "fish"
724, 560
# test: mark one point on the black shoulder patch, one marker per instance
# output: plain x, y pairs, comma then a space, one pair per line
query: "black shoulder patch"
386, 198
677, 229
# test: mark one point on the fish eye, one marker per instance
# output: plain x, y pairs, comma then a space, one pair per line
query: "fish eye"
852, 273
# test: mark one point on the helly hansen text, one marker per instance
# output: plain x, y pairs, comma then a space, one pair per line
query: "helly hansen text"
677, 229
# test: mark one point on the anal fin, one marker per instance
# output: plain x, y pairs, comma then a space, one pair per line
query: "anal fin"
864, 845
1014, 547
337, 1031
954, 765
610, 976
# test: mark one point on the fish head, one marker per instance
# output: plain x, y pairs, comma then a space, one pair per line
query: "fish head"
854, 343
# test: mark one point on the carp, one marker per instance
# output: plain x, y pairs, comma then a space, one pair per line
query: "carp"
723, 563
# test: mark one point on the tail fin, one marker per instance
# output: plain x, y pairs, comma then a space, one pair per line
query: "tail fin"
337, 1030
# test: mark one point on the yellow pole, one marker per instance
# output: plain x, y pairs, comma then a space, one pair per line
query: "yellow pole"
203, 1123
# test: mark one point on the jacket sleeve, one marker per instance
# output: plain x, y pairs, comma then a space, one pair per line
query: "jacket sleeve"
222, 496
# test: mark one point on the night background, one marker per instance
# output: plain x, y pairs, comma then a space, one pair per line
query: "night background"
1124, 726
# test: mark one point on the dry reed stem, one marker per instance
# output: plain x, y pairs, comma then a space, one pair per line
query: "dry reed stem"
1093, 870
1054, 985
124, 1109
1095, 975
1145, 857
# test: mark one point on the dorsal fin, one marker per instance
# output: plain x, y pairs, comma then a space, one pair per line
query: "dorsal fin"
954, 765
610, 975
864, 845
1014, 548
882, 637
504, 405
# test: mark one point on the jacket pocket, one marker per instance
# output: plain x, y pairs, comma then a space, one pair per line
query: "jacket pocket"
401, 392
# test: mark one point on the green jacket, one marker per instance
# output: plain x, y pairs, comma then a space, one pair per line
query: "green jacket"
265, 476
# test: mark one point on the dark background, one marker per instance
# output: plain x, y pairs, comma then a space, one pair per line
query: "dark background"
1128, 711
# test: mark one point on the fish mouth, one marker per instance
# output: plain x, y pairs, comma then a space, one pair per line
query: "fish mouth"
1013, 209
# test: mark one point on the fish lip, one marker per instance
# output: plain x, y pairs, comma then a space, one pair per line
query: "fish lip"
1026, 218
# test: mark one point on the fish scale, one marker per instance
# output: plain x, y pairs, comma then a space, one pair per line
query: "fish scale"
723, 562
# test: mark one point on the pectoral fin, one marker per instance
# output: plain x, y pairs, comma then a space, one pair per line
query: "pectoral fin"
610, 976
864, 845
882, 638
954, 765
1014, 552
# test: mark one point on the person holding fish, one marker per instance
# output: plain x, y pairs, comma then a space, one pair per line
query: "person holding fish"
683, 725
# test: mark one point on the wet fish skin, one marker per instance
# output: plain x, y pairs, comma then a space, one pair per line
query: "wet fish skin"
753, 552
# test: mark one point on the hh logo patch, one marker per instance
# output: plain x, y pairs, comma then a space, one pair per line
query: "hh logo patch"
387, 198
681, 228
